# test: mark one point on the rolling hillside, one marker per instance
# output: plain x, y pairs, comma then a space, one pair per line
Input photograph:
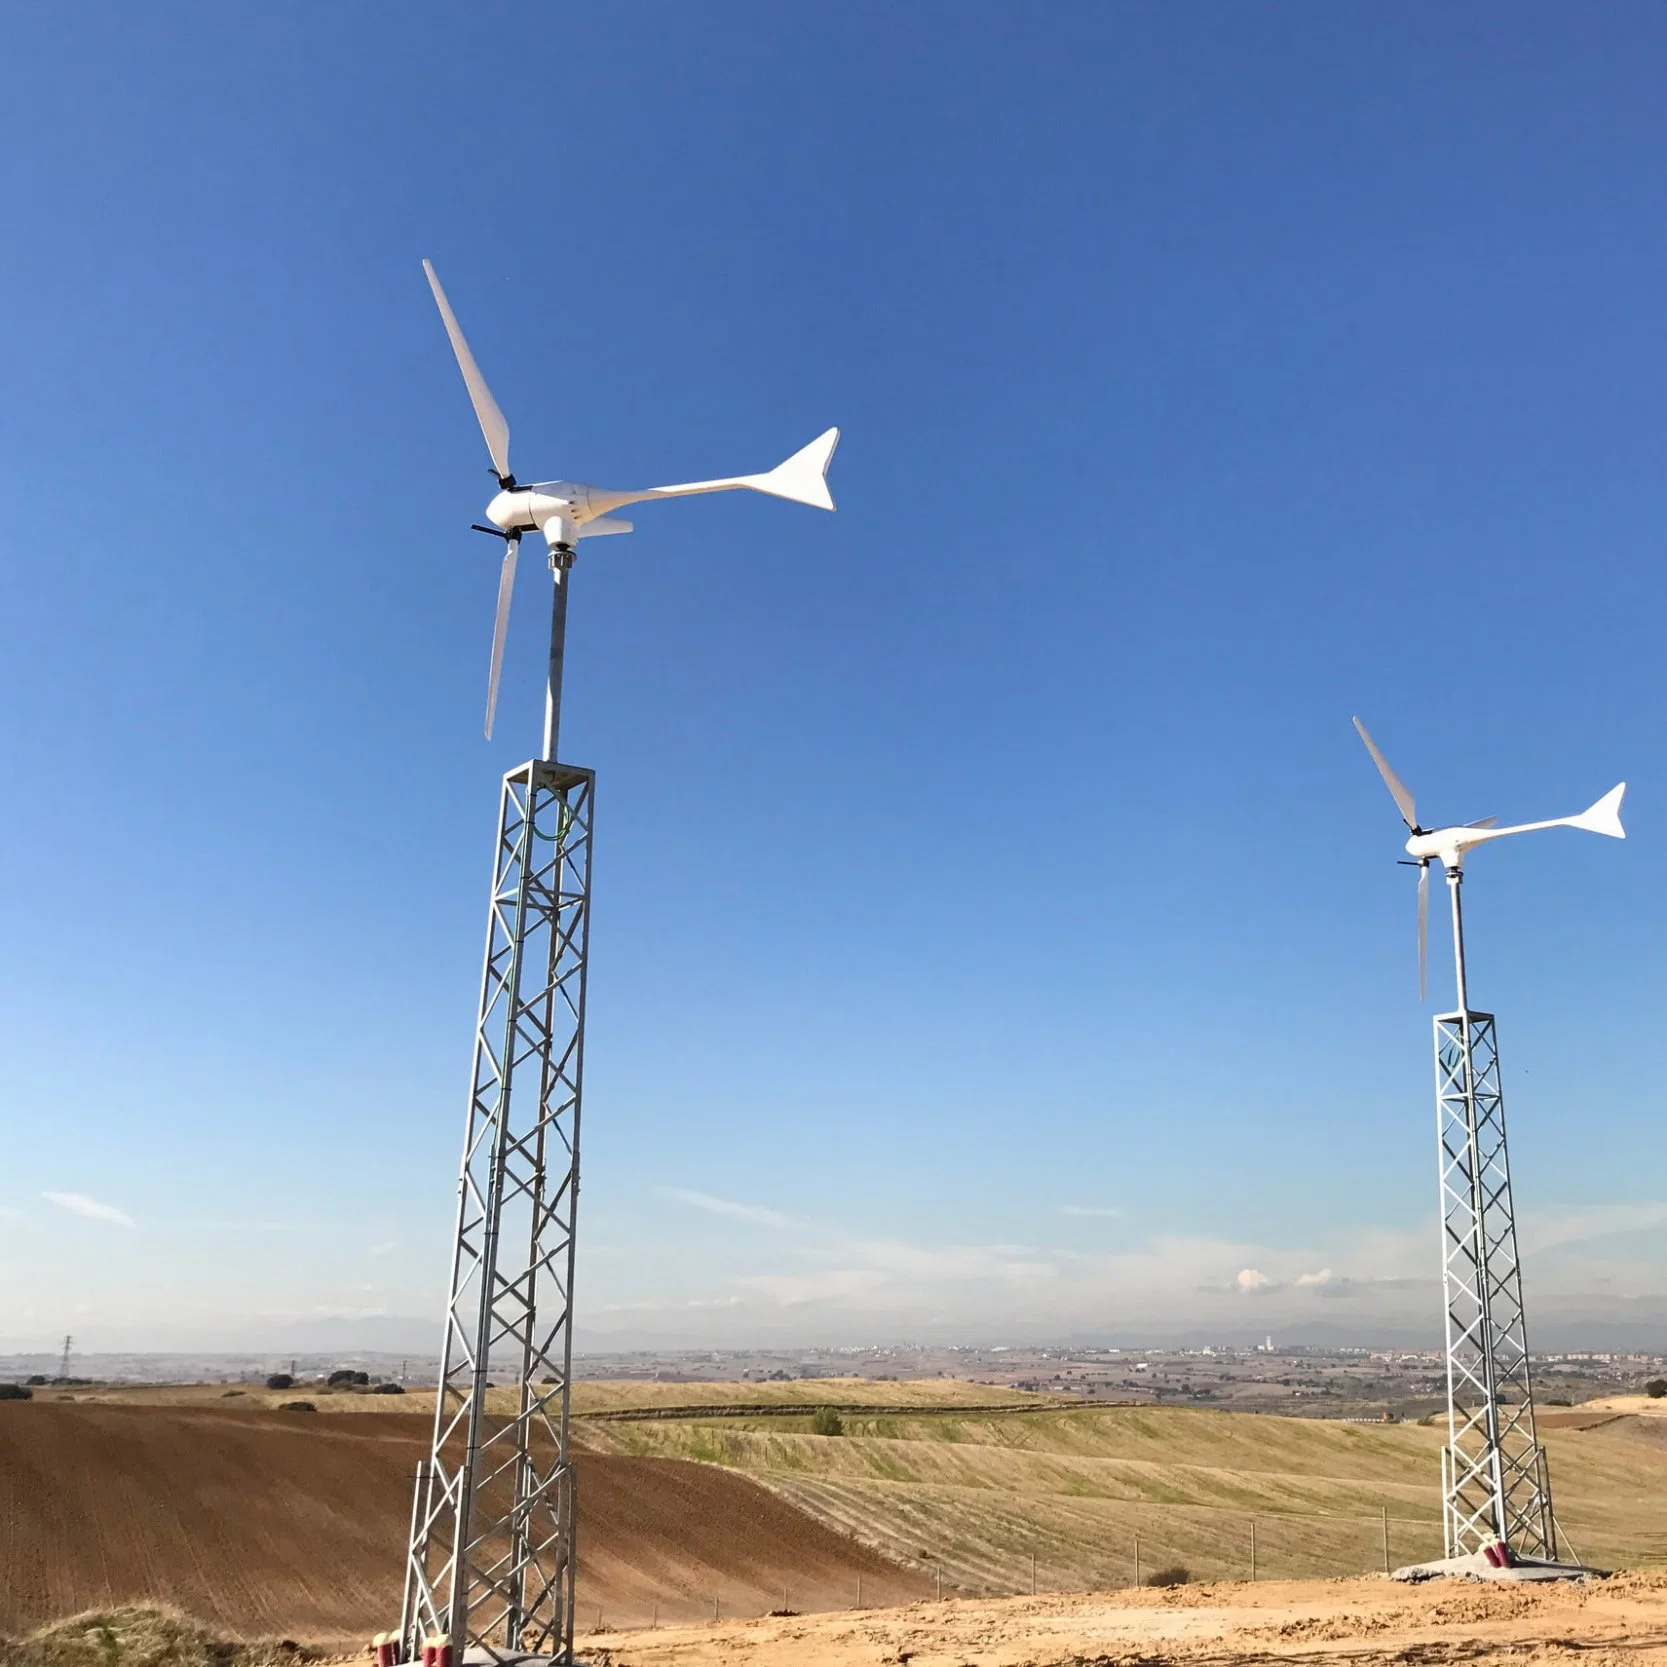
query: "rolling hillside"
982, 1494
265, 1522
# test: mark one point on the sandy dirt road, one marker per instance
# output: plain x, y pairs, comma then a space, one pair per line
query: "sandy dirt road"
1621, 1622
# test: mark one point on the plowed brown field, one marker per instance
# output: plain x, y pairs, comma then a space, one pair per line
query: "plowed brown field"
265, 1522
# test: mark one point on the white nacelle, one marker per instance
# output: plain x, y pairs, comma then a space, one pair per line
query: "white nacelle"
558, 508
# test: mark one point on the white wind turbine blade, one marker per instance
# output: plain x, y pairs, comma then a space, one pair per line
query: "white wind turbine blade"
1398, 790
492, 422
500, 628
1423, 931
803, 479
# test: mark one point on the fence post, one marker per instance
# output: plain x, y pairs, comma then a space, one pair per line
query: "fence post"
1137, 1580
1253, 1548
1033, 1574
1386, 1539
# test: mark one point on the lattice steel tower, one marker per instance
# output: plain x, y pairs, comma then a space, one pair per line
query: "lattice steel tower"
1495, 1485
491, 1558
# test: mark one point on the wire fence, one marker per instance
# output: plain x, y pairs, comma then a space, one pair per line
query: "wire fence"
1174, 1546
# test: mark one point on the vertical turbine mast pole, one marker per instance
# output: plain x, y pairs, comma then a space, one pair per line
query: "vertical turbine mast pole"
1455, 879
491, 1562
1496, 1489
561, 566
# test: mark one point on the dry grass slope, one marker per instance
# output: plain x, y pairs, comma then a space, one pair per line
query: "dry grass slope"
981, 1496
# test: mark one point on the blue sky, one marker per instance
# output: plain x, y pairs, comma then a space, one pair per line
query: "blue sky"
997, 929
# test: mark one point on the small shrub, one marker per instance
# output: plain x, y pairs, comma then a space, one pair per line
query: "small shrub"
36, 1381
280, 1380
1174, 1575
1656, 1389
1558, 1401
144, 1635
827, 1422
388, 1389
296, 1406
15, 1392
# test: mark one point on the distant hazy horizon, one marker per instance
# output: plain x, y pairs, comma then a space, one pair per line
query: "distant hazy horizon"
393, 1337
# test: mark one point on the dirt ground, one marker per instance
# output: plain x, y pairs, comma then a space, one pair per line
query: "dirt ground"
294, 1524
1620, 1622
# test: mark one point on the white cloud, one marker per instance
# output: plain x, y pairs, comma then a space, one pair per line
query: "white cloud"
78, 1204
841, 1285
815, 1282
893, 1273
1595, 1222
1107, 1212
386, 1248
1325, 1283
755, 1213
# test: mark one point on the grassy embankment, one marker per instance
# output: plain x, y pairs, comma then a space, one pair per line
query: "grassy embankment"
982, 1492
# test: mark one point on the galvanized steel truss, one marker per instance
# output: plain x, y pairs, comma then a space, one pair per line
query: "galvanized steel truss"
1495, 1484
491, 1559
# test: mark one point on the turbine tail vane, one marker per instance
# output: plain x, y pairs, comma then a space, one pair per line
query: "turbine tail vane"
803, 478
1605, 816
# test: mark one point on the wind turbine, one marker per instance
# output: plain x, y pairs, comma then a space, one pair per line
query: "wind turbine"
491, 1564
1496, 1485
565, 511
1453, 844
